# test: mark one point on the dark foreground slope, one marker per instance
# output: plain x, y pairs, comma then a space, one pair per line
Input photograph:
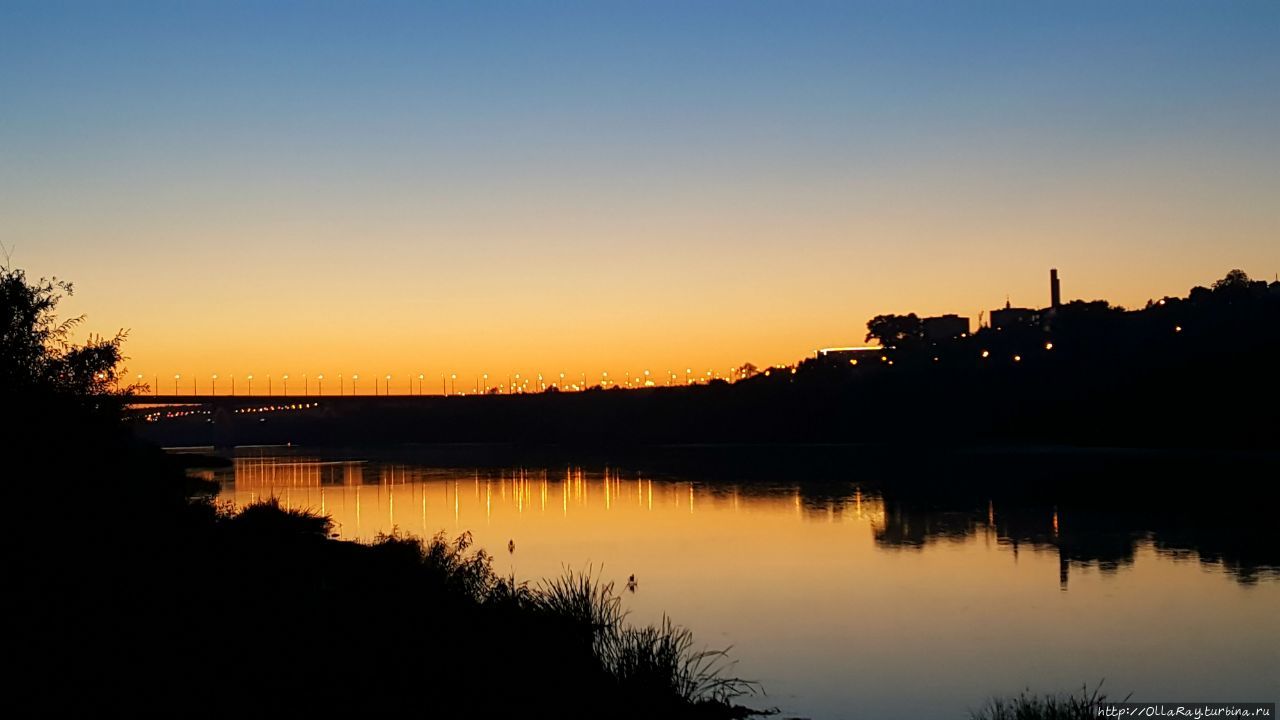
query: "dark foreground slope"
130, 591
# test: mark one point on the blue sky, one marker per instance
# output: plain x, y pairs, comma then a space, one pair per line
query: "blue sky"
674, 162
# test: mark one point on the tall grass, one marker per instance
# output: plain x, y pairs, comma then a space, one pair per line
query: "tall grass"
1074, 706
653, 661
656, 664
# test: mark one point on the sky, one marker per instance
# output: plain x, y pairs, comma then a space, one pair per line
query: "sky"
580, 187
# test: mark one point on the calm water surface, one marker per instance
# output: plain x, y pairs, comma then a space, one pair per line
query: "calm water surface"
850, 603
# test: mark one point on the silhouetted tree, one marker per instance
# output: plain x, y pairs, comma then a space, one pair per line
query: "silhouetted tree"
748, 371
904, 332
35, 353
1234, 279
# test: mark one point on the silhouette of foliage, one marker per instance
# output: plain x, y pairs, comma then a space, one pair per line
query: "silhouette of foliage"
1026, 706
896, 331
1234, 280
35, 348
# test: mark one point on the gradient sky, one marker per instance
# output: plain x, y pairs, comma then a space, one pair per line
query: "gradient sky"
583, 186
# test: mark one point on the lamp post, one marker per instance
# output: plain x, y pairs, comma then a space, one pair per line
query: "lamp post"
250, 385
320, 384
387, 391
354, 378
176, 378
453, 383
214, 391
306, 385
233, 385
486, 383
421, 378
268, 384
286, 385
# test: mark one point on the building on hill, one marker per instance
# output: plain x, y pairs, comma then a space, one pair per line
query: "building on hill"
944, 327
1010, 316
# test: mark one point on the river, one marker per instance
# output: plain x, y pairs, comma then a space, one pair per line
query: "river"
840, 598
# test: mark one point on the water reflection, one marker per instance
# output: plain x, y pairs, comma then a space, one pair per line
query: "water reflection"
366, 498
837, 594
1107, 540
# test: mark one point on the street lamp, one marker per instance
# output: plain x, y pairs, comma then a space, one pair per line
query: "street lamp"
250, 385
486, 383
215, 385
388, 390
176, 378
421, 377
306, 385
320, 384
453, 383
286, 386
354, 378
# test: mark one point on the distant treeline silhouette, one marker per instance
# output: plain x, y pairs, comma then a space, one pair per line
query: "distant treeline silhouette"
1196, 371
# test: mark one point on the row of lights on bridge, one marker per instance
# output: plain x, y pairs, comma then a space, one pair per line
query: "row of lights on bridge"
515, 383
